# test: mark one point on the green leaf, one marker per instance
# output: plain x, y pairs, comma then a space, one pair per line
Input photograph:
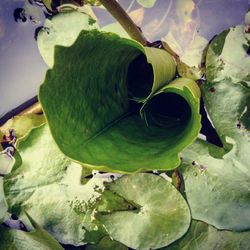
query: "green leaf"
217, 179
48, 4
161, 215
247, 26
85, 98
224, 62
107, 244
146, 3
62, 29
3, 203
20, 240
48, 186
190, 52
7, 161
22, 124
202, 236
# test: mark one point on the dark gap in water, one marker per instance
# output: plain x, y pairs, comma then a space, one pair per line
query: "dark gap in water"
207, 128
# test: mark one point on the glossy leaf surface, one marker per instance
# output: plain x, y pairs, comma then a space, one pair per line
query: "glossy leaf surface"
105, 131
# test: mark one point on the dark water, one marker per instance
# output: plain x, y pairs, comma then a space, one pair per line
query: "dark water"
22, 69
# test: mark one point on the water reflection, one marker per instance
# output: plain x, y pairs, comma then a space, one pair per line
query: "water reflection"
22, 69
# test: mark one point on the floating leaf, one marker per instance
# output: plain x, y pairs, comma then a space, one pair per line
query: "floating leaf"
146, 3
48, 186
217, 180
161, 215
7, 161
62, 29
190, 52
224, 62
3, 203
202, 236
22, 124
91, 83
20, 240
107, 244
247, 26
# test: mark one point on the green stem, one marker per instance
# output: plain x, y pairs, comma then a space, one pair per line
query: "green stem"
123, 18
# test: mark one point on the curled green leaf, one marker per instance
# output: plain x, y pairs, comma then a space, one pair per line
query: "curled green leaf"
87, 96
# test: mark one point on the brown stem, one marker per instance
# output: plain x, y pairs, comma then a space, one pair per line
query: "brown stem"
123, 18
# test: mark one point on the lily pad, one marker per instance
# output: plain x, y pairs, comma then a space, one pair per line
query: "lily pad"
22, 124
224, 62
217, 179
92, 84
107, 244
48, 186
160, 217
202, 236
20, 240
63, 29
3, 203
146, 3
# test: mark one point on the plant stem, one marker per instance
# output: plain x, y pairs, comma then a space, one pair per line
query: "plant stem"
123, 18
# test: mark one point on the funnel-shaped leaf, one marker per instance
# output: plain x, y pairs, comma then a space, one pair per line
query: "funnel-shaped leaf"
87, 96
160, 217
217, 180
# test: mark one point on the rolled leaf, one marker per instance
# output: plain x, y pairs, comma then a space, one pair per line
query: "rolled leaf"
86, 98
